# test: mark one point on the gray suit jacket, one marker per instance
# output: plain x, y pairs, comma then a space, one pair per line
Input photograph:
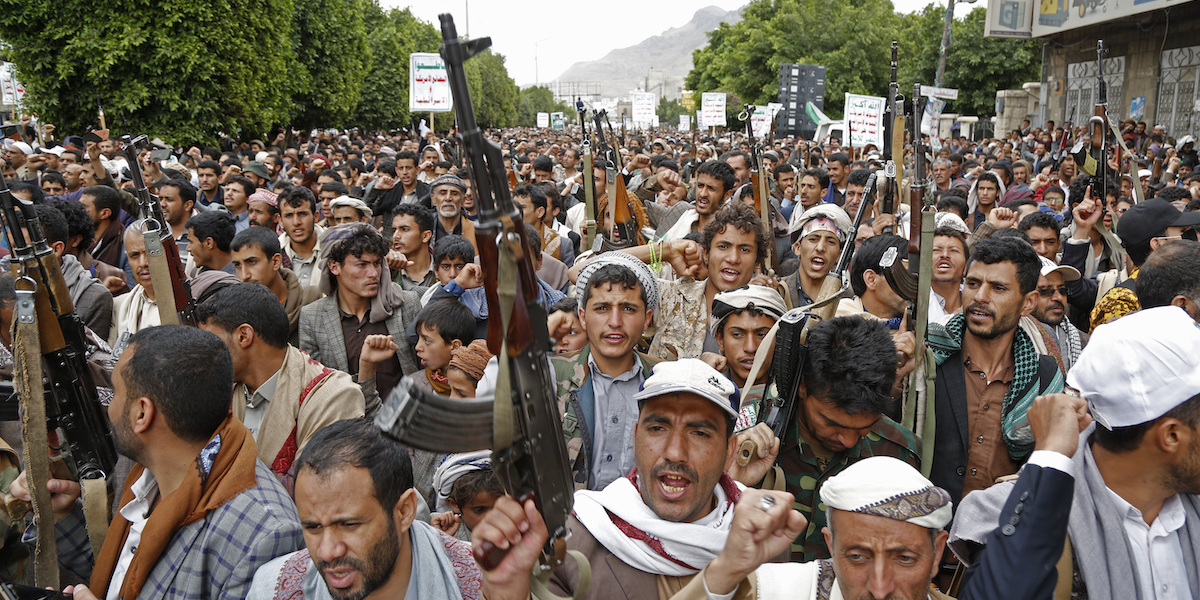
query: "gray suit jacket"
321, 332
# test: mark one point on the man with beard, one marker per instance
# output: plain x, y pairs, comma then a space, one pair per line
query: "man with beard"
1133, 513
264, 210
647, 533
1052, 311
136, 310
447, 198
367, 545
198, 495
988, 371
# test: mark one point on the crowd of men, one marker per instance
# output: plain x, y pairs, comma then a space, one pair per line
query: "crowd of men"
1040, 441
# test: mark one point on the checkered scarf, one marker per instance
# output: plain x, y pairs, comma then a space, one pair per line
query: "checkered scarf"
946, 340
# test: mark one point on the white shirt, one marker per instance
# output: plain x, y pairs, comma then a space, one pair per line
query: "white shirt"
258, 404
1157, 553
137, 512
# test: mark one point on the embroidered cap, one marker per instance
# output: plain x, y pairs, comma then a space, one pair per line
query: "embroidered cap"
888, 487
1139, 367
640, 270
761, 298
691, 376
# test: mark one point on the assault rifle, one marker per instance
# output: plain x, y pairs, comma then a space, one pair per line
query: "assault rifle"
166, 267
620, 227
522, 424
761, 190
893, 128
72, 402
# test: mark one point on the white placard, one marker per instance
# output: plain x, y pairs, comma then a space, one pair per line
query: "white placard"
712, 109
685, 122
939, 92
543, 120
864, 120
428, 83
931, 116
644, 108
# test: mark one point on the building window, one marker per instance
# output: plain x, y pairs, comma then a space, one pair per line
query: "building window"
1177, 97
1081, 89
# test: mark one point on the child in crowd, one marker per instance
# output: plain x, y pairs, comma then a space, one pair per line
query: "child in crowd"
450, 255
467, 489
466, 368
565, 326
441, 327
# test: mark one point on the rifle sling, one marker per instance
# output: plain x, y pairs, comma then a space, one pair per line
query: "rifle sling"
160, 274
589, 196
506, 278
28, 376
537, 582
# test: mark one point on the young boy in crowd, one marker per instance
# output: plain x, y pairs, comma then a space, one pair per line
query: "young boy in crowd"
441, 327
450, 255
467, 489
466, 368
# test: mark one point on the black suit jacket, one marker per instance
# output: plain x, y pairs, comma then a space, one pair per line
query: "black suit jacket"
952, 422
1021, 554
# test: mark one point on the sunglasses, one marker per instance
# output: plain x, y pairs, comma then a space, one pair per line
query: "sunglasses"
1048, 292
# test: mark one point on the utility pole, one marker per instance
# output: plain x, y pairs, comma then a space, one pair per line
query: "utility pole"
941, 68
939, 78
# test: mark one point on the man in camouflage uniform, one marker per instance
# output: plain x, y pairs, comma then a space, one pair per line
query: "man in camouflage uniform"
618, 295
848, 374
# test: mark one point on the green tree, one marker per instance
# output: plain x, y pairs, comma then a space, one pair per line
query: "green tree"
185, 71
852, 38
979, 66
394, 34
669, 111
536, 99
493, 92
329, 40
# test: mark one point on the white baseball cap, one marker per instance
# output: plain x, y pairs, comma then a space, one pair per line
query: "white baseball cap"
1068, 272
691, 376
1139, 367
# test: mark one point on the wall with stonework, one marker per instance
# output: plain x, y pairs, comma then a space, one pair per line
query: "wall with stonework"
1136, 45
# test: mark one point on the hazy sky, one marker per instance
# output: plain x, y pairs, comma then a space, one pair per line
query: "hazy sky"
542, 39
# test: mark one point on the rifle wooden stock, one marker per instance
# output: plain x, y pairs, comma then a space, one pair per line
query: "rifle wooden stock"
151, 211
72, 402
833, 286
916, 198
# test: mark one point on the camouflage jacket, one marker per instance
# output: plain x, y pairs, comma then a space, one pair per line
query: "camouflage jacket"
805, 473
682, 319
576, 403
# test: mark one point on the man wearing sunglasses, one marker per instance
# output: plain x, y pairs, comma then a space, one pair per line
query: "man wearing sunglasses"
1052, 310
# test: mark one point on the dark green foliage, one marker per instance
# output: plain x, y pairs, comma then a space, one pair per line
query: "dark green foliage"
394, 34
329, 40
853, 40
183, 70
536, 99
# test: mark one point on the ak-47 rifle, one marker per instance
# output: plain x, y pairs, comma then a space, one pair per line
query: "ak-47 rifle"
522, 425
620, 227
787, 337
589, 181
166, 267
57, 385
834, 284
762, 193
74, 406
915, 283
893, 124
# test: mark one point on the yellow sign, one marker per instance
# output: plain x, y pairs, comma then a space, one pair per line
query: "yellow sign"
689, 99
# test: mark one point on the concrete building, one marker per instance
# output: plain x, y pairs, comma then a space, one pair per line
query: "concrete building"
1152, 66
